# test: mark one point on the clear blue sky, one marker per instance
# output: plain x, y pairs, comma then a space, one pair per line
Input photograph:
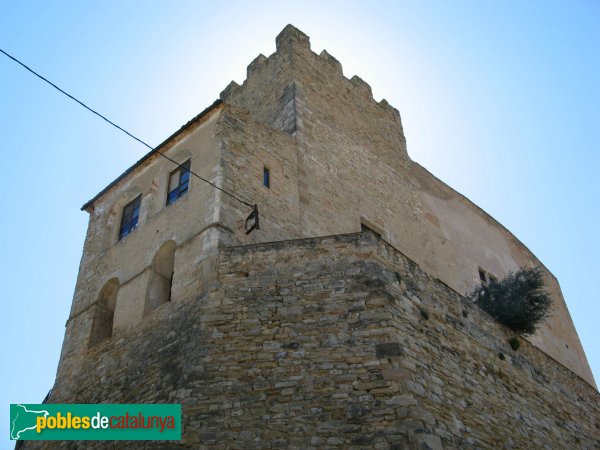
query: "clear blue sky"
498, 99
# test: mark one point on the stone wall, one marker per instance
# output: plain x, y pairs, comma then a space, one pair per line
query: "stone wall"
247, 147
191, 223
350, 165
339, 341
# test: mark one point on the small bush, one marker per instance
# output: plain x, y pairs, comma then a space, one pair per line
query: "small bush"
424, 314
515, 343
519, 301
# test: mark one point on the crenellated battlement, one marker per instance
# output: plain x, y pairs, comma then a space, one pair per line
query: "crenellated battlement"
229, 90
337, 66
260, 59
362, 85
290, 37
278, 71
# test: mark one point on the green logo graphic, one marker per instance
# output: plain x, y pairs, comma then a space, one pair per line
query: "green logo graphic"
95, 422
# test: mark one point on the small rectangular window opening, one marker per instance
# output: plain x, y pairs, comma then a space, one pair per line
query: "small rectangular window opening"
365, 227
482, 275
178, 182
266, 178
485, 277
129, 219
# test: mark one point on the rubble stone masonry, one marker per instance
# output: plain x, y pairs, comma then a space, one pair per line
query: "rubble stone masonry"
337, 341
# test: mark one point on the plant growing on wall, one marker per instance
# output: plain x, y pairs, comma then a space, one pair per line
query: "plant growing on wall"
519, 301
514, 343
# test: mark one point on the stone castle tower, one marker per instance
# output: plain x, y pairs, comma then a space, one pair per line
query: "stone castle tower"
340, 322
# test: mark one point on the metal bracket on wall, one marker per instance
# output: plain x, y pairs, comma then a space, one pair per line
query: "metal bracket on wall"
253, 218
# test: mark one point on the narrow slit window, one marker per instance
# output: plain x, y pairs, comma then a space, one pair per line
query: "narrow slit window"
266, 177
179, 181
129, 219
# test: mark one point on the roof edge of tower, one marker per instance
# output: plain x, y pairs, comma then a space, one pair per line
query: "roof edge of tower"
90, 203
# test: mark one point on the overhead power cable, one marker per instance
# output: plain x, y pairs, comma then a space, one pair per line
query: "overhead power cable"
254, 207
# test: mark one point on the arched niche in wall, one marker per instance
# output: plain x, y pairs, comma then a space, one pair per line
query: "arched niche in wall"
161, 277
102, 322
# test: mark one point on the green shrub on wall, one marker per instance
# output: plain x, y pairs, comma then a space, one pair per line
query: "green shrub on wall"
514, 343
519, 301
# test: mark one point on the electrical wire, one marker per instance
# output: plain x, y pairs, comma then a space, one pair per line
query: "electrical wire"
125, 131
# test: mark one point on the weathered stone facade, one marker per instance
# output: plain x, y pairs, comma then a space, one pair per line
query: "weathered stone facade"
338, 341
350, 165
307, 333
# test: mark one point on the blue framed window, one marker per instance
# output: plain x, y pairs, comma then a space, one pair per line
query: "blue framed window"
129, 219
179, 182
266, 178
